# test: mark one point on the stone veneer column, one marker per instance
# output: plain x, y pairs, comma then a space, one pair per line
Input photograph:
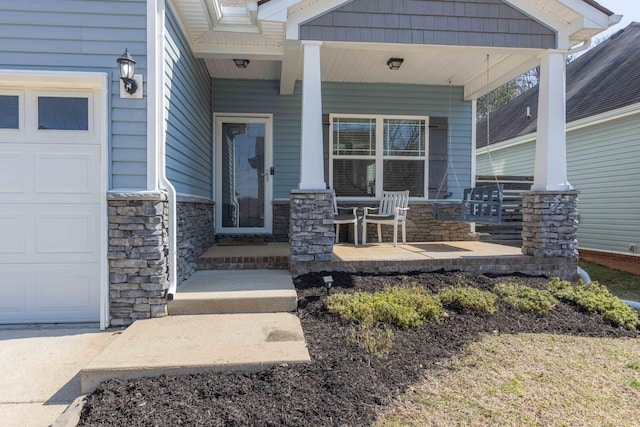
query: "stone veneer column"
311, 230
550, 224
138, 256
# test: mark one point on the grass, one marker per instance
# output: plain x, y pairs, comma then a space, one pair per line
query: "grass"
622, 284
529, 380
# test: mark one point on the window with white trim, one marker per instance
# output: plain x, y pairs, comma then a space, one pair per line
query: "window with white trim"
370, 154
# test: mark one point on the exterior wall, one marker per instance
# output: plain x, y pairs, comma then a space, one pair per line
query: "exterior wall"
85, 35
138, 256
603, 166
393, 99
195, 234
188, 116
461, 23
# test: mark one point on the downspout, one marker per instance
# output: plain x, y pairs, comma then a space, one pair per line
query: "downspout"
160, 111
586, 279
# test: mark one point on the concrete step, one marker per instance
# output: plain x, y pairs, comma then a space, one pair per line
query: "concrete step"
177, 345
228, 291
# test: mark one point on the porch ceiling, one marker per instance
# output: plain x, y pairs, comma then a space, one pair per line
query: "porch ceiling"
428, 65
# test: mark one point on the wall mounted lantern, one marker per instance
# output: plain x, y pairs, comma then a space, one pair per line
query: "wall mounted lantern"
395, 63
127, 67
241, 63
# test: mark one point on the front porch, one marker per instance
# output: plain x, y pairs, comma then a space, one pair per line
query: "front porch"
470, 256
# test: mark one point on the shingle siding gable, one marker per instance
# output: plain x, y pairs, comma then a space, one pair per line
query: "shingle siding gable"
465, 23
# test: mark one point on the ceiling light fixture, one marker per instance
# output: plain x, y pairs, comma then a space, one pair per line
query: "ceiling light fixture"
395, 63
241, 63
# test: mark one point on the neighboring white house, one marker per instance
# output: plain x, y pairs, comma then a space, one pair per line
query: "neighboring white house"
603, 146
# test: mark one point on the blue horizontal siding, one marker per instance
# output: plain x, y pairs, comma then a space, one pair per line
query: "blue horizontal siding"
253, 96
86, 35
189, 118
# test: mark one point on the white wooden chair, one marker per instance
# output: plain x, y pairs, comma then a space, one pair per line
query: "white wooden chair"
392, 210
345, 218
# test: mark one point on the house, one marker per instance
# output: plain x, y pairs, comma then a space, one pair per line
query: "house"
603, 146
239, 117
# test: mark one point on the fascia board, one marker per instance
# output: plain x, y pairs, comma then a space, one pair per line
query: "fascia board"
294, 21
273, 11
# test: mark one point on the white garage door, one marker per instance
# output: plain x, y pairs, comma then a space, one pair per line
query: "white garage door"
50, 205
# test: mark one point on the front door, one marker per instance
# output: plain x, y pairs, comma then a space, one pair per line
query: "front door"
244, 177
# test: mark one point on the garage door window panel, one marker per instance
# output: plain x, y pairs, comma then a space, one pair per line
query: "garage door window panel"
63, 113
9, 112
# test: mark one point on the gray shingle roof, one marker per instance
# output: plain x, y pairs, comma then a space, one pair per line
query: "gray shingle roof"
605, 78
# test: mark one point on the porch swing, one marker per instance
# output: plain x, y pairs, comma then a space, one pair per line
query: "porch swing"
478, 204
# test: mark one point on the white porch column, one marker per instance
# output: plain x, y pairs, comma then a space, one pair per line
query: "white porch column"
551, 146
311, 151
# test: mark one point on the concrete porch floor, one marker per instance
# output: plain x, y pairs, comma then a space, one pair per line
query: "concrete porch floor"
347, 252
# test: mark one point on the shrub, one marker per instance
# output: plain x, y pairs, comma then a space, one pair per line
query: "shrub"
376, 340
596, 298
525, 298
402, 306
467, 298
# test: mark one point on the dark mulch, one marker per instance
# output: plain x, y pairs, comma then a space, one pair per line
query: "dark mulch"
343, 385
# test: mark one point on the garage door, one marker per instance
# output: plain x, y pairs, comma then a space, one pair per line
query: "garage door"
50, 205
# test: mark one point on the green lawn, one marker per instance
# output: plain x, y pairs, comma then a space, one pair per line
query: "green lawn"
621, 284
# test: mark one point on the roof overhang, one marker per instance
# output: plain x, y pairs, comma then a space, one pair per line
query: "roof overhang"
267, 33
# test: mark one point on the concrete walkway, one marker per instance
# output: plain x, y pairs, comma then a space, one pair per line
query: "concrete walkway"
177, 345
41, 369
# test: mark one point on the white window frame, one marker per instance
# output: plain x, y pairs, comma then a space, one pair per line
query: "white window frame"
379, 156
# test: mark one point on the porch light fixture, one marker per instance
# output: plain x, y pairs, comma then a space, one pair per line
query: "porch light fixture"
241, 63
395, 63
127, 68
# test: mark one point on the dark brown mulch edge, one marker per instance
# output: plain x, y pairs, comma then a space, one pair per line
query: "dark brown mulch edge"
343, 385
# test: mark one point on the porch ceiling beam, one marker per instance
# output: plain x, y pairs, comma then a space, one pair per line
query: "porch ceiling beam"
267, 53
499, 73
291, 64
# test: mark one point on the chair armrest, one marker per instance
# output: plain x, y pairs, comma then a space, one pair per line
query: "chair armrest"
369, 208
398, 209
349, 208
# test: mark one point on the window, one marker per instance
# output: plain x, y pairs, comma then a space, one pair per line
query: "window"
9, 112
63, 113
372, 154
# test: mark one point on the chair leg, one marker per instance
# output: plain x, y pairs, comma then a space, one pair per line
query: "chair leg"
355, 233
404, 233
364, 232
379, 233
395, 234
337, 232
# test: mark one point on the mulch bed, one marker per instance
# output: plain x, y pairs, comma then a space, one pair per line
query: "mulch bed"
343, 385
